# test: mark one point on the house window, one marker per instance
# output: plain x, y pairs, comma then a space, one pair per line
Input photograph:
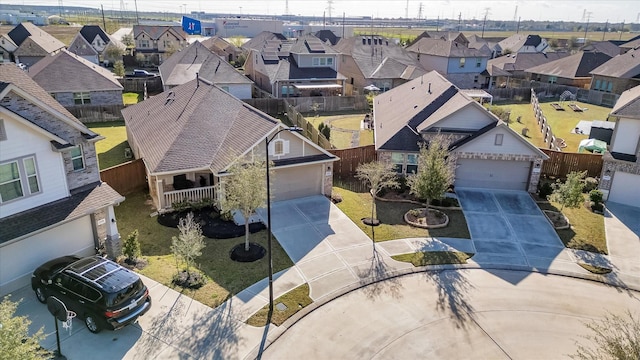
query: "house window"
322, 61
166, 43
144, 43
412, 163
610, 86
499, 138
462, 61
279, 147
478, 62
553, 79
76, 157
475, 79
597, 87
398, 160
17, 178
81, 98
330, 61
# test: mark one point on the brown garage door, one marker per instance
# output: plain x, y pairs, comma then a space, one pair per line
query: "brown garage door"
296, 182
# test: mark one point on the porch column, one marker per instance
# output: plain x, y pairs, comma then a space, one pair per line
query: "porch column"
112, 243
160, 194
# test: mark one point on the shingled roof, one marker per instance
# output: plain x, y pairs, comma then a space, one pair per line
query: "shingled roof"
523, 61
194, 126
628, 105
575, 66
155, 32
40, 37
53, 74
625, 66
89, 32
444, 48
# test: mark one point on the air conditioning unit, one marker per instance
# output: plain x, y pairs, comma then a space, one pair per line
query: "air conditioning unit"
127, 153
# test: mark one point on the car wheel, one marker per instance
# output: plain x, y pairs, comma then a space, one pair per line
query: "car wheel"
92, 323
40, 294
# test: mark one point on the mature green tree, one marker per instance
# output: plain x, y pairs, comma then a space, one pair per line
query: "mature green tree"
615, 337
245, 190
379, 175
127, 40
436, 170
569, 193
15, 342
189, 243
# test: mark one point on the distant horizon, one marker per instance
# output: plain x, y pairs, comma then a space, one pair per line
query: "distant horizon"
613, 11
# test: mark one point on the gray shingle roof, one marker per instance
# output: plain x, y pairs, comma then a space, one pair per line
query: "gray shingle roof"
194, 126
68, 72
606, 47
82, 201
628, 105
47, 42
571, 67
183, 65
258, 42
444, 48
623, 66
80, 46
89, 32
156, 31
517, 41
523, 61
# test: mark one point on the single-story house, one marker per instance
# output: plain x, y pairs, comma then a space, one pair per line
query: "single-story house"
574, 70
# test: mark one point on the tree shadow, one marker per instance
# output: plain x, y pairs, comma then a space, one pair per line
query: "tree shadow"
452, 287
612, 279
375, 280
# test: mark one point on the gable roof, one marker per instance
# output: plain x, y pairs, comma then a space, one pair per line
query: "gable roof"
575, 66
156, 31
309, 44
259, 41
631, 44
80, 46
442, 35
28, 30
217, 42
628, 105
444, 48
89, 32
606, 47
516, 41
523, 61
328, 36
52, 74
122, 32
194, 126
623, 66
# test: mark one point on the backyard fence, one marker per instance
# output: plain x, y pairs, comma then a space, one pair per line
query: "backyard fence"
125, 178
345, 168
560, 164
310, 132
153, 85
96, 113
329, 103
547, 135
520, 90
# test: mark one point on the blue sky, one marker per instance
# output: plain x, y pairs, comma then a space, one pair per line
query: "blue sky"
567, 10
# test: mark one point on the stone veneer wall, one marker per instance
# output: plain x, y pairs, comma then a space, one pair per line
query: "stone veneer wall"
328, 179
612, 165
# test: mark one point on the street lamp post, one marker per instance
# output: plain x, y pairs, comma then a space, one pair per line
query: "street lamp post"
268, 140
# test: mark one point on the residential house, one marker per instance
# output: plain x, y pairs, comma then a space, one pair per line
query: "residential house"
225, 49
617, 75
458, 63
197, 60
33, 43
488, 153
607, 47
504, 69
456, 36
302, 67
328, 36
89, 85
7, 47
52, 202
632, 44
375, 60
157, 43
93, 44
574, 70
263, 40
620, 178
189, 136
521, 43
484, 44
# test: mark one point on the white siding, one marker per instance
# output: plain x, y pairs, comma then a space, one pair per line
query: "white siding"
297, 147
75, 237
22, 141
512, 144
624, 189
469, 117
626, 137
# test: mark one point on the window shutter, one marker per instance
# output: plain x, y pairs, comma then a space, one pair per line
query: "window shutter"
271, 148
3, 132
285, 147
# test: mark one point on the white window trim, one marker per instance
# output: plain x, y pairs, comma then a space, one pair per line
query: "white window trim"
24, 178
272, 147
81, 156
499, 139
84, 97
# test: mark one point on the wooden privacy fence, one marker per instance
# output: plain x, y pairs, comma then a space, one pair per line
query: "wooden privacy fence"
153, 84
125, 178
547, 134
345, 168
520, 89
96, 113
309, 131
561, 163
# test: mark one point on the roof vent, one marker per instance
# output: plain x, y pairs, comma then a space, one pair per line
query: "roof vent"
429, 91
364, 41
170, 97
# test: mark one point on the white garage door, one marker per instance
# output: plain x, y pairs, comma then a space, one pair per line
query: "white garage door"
624, 189
493, 174
297, 182
19, 259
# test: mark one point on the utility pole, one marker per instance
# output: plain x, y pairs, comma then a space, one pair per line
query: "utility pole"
621, 29
486, 13
406, 11
586, 28
135, 2
420, 11
518, 28
604, 31
459, 20
104, 23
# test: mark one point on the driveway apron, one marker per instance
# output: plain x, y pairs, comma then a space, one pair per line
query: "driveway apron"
507, 227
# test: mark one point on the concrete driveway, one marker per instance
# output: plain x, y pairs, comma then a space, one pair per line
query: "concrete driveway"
507, 227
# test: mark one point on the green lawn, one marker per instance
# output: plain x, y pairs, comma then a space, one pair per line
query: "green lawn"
561, 122
424, 258
358, 205
226, 277
342, 139
110, 150
131, 98
295, 300
587, 228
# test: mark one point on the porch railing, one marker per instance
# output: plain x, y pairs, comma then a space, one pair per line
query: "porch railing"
193, 194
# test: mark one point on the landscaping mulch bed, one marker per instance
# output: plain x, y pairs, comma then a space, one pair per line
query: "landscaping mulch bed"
213, 226
422, 217
255, 252
557, 219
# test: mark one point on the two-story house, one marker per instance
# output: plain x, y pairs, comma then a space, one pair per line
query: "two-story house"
93, 44
225, 49
521, 43
33, 43
375, 60
455, 61
574, 70
7, 47
620, 179
302, 67
157, 43
617, 75
509, 70
197, 60
52, 202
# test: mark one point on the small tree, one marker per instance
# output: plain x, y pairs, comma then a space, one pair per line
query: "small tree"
127, 40
113, 52
436, 170
569, 193
118, 68
140, 59
131, 246
189, 243
15, 342
326, 131
378, 175
616, 337
245, 190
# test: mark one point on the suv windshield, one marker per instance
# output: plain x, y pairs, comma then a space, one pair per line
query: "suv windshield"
127, 293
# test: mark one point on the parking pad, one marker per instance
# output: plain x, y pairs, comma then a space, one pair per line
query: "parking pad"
488, 226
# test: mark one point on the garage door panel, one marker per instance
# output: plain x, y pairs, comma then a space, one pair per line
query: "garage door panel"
624, 189
296, 182
492, 174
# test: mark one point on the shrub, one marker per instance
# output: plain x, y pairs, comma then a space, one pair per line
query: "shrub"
326, 131
595, 196
226, 215
321, 126
181, 206
590, 184
544, 189
131, 246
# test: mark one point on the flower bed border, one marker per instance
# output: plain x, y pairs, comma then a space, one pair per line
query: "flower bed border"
557, 227
422, 226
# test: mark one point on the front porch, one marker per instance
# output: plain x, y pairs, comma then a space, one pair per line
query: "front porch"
167, 190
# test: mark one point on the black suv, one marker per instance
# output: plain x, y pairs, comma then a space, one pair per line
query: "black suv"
103, 293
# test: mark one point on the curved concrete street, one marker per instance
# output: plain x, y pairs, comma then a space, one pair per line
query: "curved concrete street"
454, 314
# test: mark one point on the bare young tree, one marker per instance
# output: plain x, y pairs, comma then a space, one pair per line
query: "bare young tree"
379, 175
615, 337
189, 243
436, 170
245, 190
